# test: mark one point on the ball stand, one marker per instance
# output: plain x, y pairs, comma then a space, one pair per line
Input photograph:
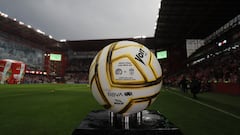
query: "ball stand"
146, 122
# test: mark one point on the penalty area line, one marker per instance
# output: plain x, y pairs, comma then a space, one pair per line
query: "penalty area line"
13, 95
207, 105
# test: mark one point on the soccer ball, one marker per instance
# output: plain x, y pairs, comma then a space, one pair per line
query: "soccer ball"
125, 77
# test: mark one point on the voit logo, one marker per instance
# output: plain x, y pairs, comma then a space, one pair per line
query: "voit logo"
140, 55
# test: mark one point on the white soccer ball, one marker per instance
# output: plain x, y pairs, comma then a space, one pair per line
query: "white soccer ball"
125, 77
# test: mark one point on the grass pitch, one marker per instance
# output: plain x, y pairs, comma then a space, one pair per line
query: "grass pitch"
59, 108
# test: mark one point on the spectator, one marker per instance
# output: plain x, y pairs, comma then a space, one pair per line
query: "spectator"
183, 84
195, 87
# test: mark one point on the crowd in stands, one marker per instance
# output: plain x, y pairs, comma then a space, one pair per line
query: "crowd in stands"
77, 71
32, 79
80, 77
79, 65
69, 78
224, 68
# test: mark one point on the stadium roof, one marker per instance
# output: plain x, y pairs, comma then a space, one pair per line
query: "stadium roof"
192, 19
178, 20
87, 45
26, 32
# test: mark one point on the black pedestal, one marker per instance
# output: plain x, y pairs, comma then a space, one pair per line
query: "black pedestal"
151, 122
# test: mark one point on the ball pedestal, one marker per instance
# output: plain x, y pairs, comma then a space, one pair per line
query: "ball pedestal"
147, 122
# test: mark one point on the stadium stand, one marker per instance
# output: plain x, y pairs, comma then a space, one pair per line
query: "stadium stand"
17, 50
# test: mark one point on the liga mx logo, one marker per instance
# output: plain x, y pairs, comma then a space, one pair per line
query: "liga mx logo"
118, 71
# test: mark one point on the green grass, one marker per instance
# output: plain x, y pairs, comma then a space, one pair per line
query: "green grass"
43, 109
59, 108
196, 119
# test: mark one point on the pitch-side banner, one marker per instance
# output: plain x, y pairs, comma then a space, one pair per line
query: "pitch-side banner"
11, 71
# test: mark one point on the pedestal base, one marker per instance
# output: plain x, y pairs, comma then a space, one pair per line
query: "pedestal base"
151, 122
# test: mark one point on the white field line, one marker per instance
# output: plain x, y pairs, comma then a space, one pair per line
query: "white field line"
207, 105
21, 94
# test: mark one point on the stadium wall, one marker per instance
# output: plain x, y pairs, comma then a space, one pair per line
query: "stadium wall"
226, 88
